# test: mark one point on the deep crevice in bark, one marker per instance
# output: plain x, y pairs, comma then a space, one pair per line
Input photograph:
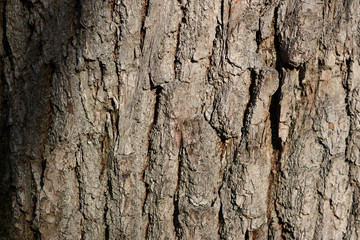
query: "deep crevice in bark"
348, 101
253, 94
346, 84
42, 177
221, 221
144, 14
158, 91
275, 118
275, 160
79, 182
143, 207
107, 227
275, 107
275, 111
176, 220
221, 218
78, 13
258, 37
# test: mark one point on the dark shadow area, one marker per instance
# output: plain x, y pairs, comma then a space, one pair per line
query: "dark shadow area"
33, 41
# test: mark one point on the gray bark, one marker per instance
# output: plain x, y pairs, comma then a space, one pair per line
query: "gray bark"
180, 119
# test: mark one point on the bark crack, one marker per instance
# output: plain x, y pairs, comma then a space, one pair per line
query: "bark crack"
275, 160
78, 13
158, 91
348, 140
254, 90
176, 220
274, 111
78, 177
144, 14
347, 86
221, 218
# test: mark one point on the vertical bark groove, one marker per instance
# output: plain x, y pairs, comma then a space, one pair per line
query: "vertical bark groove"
145, 13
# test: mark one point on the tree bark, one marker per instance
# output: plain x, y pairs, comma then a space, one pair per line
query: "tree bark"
180, 119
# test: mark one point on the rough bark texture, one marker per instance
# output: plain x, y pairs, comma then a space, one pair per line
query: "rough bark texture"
180, 119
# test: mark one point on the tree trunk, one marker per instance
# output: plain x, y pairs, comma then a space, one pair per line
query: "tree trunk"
180, 119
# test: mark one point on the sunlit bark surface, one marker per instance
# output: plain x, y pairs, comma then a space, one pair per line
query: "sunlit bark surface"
180, 119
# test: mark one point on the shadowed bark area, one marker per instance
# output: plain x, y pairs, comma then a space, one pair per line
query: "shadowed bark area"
179, 119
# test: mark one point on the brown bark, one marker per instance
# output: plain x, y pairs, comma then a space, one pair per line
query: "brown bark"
180, 119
